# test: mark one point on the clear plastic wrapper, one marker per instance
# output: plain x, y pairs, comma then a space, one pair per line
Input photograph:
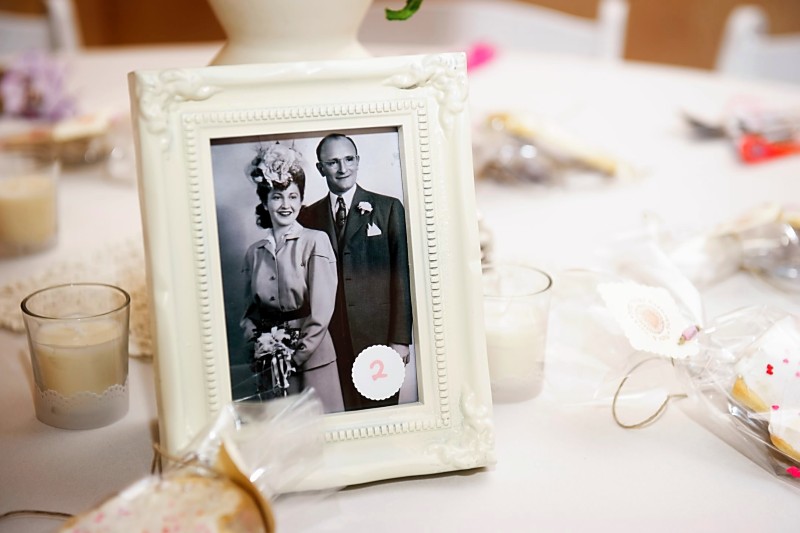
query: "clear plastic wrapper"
742, 375
591, 358
758, 133
703, 259
643, 256
772, 251
592, 353
522, 147
277, 443
764, 241
741, 380
229, 477
744, 386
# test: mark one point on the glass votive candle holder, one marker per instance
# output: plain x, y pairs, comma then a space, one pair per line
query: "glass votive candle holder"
516, 308
78, 339
28, 201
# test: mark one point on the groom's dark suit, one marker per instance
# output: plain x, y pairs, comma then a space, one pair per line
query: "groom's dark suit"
373, 301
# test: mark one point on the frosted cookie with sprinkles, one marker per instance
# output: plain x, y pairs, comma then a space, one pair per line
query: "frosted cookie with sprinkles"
771, 370
176, 503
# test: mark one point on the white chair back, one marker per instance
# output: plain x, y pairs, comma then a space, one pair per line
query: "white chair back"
503, 23
56, 29
748, 51
64, 26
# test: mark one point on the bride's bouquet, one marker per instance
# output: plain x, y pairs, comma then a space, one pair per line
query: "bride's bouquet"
273, 361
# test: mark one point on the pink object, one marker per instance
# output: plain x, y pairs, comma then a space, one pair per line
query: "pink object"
688, 334
776, 407
479, 54
793, 471
379, 373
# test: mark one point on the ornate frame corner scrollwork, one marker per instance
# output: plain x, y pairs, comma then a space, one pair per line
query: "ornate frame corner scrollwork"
159, 92
446, 76
473, 445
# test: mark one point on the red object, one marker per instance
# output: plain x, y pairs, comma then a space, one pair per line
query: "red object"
754, 148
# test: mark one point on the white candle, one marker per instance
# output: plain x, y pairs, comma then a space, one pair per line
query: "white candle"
516, 306
81, 356
515, 343
27, 210
78, 336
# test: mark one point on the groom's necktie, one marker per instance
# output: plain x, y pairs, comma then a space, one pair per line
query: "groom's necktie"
341, 217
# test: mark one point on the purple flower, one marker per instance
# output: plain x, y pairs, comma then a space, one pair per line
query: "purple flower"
33, 87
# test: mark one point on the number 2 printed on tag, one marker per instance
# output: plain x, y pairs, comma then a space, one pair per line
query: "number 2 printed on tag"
378, 372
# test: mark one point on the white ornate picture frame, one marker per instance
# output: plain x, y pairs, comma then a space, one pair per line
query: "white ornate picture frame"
179, 112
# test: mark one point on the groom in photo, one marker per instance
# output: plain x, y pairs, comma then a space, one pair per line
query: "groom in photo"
368, 234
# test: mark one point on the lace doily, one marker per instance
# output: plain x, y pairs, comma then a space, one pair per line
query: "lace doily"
83, 399
82, 410
119, 264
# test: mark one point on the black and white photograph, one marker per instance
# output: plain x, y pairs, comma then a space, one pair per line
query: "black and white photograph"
315, 267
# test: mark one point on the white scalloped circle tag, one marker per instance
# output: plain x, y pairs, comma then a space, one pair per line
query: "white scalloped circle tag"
378, 372
650, 319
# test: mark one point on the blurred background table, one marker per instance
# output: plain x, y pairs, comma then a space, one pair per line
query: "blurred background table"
560, 467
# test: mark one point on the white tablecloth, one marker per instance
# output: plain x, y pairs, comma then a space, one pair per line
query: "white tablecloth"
560, 467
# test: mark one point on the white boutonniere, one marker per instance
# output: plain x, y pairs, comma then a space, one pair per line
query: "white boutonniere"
364, 207
373, 230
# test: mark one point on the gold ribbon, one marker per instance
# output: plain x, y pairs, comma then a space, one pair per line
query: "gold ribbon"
653, 417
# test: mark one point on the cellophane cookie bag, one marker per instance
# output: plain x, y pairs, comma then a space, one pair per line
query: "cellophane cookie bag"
744, 386
227, 479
